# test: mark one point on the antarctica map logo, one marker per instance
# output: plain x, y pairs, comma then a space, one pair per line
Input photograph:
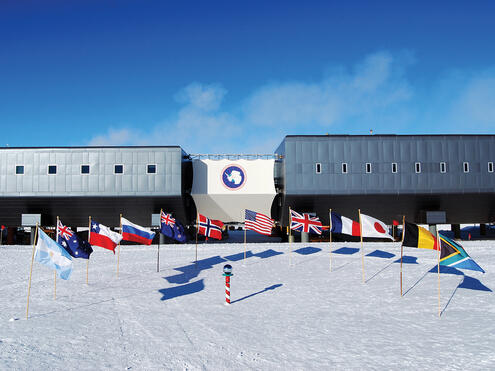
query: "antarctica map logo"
233, 177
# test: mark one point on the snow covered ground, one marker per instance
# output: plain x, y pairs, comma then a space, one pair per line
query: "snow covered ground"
299, 316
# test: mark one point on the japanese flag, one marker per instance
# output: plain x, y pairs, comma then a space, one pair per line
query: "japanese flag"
372, 227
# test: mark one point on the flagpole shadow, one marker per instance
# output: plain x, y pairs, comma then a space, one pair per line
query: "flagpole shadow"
380, 271
450, 299
418, 281
273, 287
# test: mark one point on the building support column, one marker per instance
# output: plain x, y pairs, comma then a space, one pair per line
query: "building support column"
482, 229
456, 228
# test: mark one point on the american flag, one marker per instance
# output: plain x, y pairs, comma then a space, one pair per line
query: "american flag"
305, 222
258, 222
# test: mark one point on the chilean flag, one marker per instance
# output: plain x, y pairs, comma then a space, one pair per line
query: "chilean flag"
102, 236
210, 228
136, 233
341, 224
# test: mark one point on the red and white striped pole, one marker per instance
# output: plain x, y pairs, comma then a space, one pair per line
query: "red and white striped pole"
227, 272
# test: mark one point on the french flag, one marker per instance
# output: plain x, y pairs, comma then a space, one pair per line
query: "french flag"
136, 233
341, 224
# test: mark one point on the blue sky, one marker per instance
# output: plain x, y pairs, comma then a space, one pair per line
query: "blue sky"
237, 76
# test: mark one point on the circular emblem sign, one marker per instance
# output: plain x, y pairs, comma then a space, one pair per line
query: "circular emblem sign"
233, 177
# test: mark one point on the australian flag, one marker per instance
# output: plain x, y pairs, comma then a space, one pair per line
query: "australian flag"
172, 228
75, 246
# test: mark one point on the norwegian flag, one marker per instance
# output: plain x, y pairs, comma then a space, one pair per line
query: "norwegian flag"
210, 228
305, 223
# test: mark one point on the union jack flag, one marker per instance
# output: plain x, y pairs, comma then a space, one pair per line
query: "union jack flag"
305, 222
64, 231
167, 219
210, 228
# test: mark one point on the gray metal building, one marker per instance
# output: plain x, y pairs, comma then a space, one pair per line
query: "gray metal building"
427, 178
103, 182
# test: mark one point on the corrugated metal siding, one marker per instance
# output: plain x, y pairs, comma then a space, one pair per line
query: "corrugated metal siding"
101, 181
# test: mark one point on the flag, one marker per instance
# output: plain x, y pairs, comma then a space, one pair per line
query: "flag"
416, 236
51, 254
453, 255
75, 246
372, 227
102, 236
258, 222
305, 222
341, 224
210, 228
172, 228
136, 233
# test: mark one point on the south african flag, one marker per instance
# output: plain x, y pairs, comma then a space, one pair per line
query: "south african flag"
453, 255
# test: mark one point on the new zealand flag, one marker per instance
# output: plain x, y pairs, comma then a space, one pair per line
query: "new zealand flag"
170, 227
75, 246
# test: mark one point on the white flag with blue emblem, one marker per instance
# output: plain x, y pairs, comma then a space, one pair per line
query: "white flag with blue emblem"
51, 254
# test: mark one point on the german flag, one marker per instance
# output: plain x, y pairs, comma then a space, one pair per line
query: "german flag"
416, 236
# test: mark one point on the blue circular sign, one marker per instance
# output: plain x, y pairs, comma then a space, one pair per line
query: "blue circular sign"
233, 177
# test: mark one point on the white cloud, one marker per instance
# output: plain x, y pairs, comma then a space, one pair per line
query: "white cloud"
114, 137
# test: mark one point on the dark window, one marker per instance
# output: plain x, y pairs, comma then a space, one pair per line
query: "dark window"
344, 168
465, 166
19, 169
490, 167
119, 169
318, 168
417, 167
368, 168
52, 169
151, 169
84, 169
443, 167
394, 167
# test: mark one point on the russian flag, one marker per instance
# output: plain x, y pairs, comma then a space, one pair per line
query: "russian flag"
136, 233
341, 224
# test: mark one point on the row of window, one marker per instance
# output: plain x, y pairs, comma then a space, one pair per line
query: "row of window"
395, 167
85, 169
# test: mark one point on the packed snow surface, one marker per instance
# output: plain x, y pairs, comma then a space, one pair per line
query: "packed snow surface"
288, 311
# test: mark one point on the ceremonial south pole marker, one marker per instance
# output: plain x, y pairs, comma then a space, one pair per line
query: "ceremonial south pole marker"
227, 272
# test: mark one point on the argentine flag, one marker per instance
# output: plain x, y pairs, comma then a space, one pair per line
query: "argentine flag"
51, 254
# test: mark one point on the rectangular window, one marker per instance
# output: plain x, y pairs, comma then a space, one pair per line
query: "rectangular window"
344, 168
151, 169
394, 167
417, 167
443, 167
119, 169
490, 167
465, 167
19, 169
84, 169
368, 168
52, 169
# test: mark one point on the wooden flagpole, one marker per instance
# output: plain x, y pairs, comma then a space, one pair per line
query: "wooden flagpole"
118, 255
55, 271
330, 240
197, 231
158, 251
87, 263
361, 235
401, 250
245, 243
31, 270
290, 236
439, 249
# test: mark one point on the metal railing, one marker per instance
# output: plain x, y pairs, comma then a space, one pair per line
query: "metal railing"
231, 156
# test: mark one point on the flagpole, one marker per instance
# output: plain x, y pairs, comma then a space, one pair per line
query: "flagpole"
361, 235
197, 230
87, 263
439, 249
158, 251
31, 270
290, 235
330, 240
401, 250
55, 277
245, 244
118, 255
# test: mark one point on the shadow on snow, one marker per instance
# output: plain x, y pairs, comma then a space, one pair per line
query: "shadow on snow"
273, 287
307, 250
187, 289
346, 250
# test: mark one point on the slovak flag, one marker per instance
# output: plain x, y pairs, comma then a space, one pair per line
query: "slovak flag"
305, 223
210, 228
343, 225
136, 233
374, 228
102, 236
